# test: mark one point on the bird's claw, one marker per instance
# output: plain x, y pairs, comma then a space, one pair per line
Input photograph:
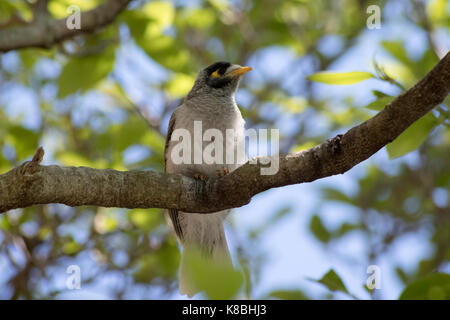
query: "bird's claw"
199, 176
224, 172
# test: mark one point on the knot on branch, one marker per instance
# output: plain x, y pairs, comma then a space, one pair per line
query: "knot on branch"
31, 167
334, 145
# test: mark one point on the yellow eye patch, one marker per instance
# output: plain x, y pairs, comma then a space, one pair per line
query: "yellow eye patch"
215, 74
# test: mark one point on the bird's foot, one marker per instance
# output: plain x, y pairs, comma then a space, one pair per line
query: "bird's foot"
222, 173
199, 176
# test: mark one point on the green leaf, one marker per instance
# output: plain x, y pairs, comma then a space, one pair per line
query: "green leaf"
410, 139
166, 51
304, 146
217, 280
437, 10
146, 219
288, 295
159, 12
71, 247
346, 228
332, 281
58, 9
336, 195
162, 263
24, 141
180, 85
105, 221
380, 103
340, 78
83, 73
434, 287
199, 18
379, 94
133, 131
5, 224
319, 230
397, 50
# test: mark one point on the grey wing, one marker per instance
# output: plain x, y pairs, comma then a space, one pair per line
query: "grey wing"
168, 137
173, 213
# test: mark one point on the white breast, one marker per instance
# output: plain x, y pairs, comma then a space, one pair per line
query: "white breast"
218, 118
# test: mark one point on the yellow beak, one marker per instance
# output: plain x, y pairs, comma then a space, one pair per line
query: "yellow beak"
239, 71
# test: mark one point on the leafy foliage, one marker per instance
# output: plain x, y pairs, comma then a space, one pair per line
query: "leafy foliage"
103, 100
340, 78
215, 279
434, 287
333, 282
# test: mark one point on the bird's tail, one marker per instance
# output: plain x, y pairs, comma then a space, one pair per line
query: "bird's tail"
207, 244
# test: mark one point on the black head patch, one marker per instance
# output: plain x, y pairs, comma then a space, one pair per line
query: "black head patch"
221, 66
218, 82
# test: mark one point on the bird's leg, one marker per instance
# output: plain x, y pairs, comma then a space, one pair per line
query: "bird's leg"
199, 176
224, 172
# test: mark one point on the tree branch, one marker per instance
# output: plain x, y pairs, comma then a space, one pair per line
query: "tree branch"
32, 184
43, 31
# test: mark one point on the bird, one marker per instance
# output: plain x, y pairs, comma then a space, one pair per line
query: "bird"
211, 102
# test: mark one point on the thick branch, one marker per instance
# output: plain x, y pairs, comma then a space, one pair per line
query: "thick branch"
43, 31
32, 184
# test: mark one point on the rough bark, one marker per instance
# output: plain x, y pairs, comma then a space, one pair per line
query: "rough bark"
32, 184
44, 31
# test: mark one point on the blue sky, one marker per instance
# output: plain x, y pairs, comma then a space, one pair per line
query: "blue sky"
294, 255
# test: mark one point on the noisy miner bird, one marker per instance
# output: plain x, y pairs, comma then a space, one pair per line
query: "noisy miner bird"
211, 101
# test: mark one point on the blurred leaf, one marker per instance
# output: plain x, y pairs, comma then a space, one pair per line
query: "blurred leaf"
146, 27
122, 135
217, 280
336, 195
340, 78
379, 94
7, 8
438, 10
380, 103
69, 158
146, 219
291, 104
280, 213
319, 231
434, 287
105, 221
346, 228
401, 274
410, 139
397, 50
304, 146
44, 232
166, 51
332, 281
4, 164
199, 18
162, 263
24, 141
180, 85
58, 8
160, 13
5, 224
83, 73
30, 56
428, 61
288, 295
136, 21
71, 247
154, 140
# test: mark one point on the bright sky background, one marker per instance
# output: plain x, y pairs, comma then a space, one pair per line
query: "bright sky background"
294, 255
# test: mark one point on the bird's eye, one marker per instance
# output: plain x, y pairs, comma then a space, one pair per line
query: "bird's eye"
215, 74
